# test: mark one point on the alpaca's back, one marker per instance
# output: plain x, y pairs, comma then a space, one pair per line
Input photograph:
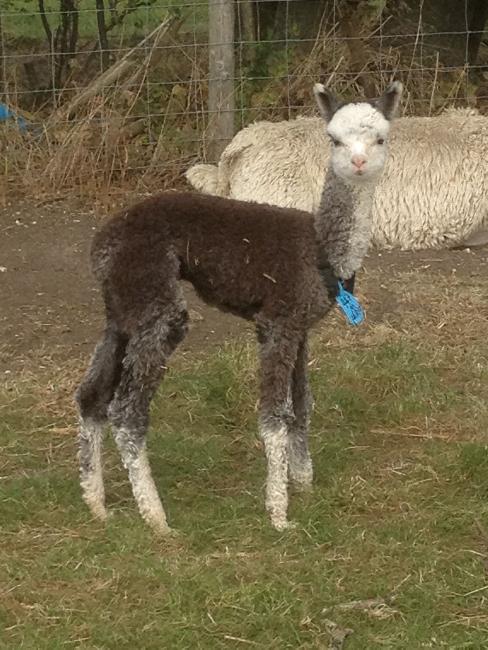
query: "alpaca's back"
238, 255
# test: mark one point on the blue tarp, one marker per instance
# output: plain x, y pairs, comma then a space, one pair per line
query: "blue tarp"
7, 114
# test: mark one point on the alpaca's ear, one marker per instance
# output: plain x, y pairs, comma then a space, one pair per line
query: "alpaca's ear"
390, 99
326, 101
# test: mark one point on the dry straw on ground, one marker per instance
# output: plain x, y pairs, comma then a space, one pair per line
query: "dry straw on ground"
105, 137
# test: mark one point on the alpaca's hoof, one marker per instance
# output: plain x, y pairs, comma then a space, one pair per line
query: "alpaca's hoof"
161, 529
98, 510
302, 478
282, 523
305, 487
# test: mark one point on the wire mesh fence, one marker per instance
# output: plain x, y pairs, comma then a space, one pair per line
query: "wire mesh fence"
98, 93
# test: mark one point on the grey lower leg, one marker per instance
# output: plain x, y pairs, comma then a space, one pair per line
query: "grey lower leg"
144, 366
299, 459
90, 461
133, 452
274, 434
93, 397
278, 353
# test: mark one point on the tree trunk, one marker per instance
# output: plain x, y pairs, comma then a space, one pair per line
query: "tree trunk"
221, 102
245, 29
73, 39
247, 19
477, 22
352, 27
102, 35
65, 41
45, 24
455, 19
279, 20
3, 76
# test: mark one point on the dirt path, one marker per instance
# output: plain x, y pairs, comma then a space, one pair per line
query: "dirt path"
50, 305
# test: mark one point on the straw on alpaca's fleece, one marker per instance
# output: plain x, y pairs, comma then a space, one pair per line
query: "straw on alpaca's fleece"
433, 192
277, 267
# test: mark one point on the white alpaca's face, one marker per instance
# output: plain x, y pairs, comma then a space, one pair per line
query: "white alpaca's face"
358, 134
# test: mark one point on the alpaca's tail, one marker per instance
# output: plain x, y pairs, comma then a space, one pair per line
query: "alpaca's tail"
102, 378
204, 178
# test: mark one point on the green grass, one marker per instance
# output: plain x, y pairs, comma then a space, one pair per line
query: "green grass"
399, 508
22, 19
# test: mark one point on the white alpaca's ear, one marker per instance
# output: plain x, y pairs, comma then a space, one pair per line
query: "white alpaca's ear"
326, 101
390, 99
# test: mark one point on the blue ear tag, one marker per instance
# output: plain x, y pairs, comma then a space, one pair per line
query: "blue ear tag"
350, 306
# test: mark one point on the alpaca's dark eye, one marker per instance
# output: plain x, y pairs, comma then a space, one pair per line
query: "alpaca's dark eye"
381, 141
336, 143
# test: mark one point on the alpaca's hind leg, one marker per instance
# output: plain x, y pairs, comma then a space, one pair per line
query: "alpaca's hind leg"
147, 353
278, 353
90, 440
93, 397
299, 460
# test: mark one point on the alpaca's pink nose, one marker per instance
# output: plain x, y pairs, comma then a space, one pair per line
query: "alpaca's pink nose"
358, 161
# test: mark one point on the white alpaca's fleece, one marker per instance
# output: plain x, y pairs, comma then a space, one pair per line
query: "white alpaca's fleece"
433, 192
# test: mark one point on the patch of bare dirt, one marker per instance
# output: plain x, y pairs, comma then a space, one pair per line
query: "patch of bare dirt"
51, 306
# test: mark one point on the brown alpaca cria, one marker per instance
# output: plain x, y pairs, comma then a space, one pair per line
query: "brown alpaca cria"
277, 267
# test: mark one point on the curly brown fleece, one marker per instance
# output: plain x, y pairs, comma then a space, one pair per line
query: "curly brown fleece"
278, 267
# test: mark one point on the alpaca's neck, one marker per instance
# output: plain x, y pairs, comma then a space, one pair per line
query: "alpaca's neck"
343, 223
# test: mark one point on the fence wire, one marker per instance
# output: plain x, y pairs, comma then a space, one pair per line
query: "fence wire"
98, 91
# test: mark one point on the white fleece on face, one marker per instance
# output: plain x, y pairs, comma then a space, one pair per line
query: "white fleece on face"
358, 129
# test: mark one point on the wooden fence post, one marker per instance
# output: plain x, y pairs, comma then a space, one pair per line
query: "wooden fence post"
221, 99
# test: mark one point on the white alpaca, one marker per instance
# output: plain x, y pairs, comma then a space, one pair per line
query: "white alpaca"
432, 194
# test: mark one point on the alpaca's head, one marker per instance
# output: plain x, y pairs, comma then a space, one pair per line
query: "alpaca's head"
358, 132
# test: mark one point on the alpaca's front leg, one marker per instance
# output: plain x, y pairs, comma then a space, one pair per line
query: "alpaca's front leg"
278, 354
299, 460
